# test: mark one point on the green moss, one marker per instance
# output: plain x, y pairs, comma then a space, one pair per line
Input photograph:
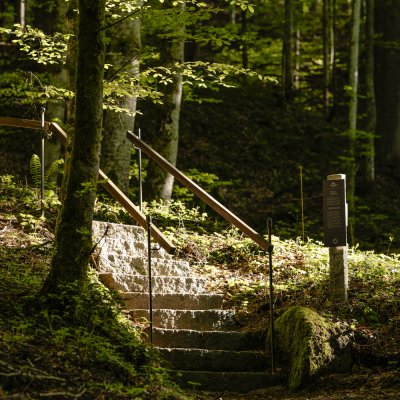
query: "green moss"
303, 336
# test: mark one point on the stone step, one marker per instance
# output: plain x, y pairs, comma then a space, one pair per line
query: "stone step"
239, 382
212, 340
118, 239
177, 301
201, 320
126, 264
215, 360
161, 284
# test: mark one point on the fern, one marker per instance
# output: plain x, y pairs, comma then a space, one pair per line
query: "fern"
53, 169
35, 170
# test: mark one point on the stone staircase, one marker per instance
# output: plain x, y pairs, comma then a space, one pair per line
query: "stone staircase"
201, 340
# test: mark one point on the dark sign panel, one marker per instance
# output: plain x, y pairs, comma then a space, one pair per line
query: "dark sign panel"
335, 213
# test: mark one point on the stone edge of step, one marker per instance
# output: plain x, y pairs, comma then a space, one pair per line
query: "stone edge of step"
234, 382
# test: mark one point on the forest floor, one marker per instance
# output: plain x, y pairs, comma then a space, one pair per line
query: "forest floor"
41, 355
361, 384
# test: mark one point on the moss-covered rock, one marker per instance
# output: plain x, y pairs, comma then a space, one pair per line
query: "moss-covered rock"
310, 345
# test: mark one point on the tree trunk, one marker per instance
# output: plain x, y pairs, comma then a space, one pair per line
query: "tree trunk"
20, 12
287, 53
352, 116
115, 148
159, 184
333, 58
367, 172
326, 22
388, 82
245, 56
73, 245
70, 65
296, 72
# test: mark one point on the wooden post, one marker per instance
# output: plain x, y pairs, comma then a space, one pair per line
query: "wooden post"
335, 229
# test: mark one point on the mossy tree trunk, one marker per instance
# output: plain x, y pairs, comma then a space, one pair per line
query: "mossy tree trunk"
73, 244
70, 65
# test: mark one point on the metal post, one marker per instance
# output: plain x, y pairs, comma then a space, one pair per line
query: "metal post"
271, 293
150, 277
43, 109
140, 174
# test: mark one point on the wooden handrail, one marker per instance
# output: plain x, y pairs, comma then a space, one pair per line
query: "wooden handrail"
198, 191
107, 184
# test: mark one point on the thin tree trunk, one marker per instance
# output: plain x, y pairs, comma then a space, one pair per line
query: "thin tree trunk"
334, 79
296, 74
20, 12
73, 244
326, 50
388, 82
352, 116
115, 148
368, 160
287, 52
245, 56
158, 183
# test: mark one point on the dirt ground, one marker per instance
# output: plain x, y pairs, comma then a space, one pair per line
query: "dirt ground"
361, 384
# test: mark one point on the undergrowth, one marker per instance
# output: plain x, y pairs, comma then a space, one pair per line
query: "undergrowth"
236, 266
69, 346
90, 351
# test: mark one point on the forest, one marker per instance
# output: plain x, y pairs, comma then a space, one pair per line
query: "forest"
255, 102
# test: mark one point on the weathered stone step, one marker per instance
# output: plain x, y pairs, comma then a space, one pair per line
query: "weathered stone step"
177, 301
240, 382
126, 264
212, 340
161, 284
215, 360
117, 239
202, 320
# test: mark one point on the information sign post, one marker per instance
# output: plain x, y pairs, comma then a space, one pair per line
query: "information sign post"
335, 235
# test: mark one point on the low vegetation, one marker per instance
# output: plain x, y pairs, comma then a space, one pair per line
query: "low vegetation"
90, 350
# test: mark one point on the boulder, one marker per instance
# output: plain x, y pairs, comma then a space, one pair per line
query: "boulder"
310, 345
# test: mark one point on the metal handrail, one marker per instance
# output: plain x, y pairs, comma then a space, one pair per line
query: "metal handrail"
105, 181
198, 191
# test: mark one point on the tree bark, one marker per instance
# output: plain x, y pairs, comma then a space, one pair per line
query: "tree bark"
115, 148
367, 170
70, 65
287, 52
326, 22
159, 184
352, 116
388, 82
73, 244
245, 55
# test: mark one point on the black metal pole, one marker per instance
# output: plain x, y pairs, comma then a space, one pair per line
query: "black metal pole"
150, 283
43, 109
271, 294
140, 175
